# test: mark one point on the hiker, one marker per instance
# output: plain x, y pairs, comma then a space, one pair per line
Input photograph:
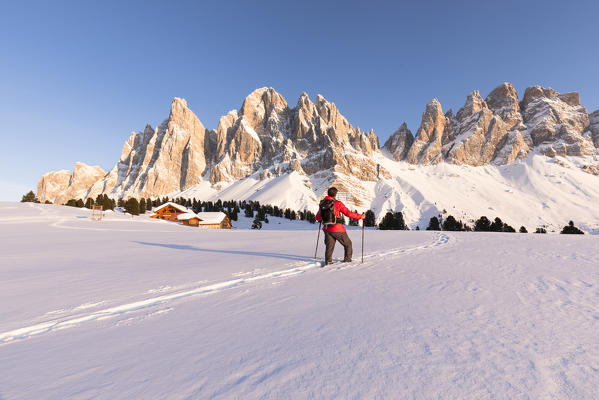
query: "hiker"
329, 212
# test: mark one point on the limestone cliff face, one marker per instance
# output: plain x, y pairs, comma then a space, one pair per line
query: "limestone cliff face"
53, 184
500, 129
435, 128
400, 142
167, 159
61, 186
557, 122
594, 127
267, 135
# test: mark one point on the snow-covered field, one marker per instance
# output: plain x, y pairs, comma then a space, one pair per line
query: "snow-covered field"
142, 309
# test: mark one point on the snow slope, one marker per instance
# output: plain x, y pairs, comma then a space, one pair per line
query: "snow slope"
133, 308
538, 191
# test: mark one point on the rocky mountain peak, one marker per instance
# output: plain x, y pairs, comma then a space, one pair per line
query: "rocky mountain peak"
557, 122
261, 103
267, 138
400, 142
503, 100
61, 186
534, 92
428, 143
474, 103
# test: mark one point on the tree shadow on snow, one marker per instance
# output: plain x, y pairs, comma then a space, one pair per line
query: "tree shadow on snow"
234, 252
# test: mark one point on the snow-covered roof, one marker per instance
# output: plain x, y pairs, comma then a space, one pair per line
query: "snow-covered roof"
211, 217
186, 216
174, 205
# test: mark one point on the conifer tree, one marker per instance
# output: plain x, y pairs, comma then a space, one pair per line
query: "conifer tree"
369, 218
249, 213
79, 203
142, 206
89, 203
387, 222
451, 224
398, 222
482, 224
29, 197
497, 225
132, 206
523, 230
508, 228
433, 224
570, 229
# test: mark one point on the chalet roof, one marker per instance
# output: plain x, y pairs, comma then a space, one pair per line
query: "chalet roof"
174, 205
187, 216
211, 217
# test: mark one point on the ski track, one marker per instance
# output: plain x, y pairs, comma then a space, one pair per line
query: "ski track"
440, 239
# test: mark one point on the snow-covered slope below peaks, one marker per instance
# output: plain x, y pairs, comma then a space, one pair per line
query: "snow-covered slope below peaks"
535, 192
538, 191
290, 190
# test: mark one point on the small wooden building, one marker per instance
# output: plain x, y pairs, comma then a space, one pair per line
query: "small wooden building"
178, 213
189, 218
214, 220
169, 211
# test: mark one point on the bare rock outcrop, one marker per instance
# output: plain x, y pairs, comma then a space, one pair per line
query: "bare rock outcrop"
501, 130
556, 122
159, 161
61, 186
311, 137
594, 127
400, 142
489, 131
428, 144
53, 184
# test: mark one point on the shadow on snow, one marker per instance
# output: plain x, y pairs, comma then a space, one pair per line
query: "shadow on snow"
234, 252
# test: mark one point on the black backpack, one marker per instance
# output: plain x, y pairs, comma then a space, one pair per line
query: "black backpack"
327, 212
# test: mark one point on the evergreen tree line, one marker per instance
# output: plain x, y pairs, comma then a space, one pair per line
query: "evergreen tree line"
260, 212
483, 224
101, 200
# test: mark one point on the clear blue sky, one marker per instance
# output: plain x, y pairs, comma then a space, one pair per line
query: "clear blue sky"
77, 77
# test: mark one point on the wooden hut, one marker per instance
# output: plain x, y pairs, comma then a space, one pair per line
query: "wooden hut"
188, 218
177, 213
169, 211
214, 220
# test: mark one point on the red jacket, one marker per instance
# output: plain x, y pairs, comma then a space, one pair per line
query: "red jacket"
339, 209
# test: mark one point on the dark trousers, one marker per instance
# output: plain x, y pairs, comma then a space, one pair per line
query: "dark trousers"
329, 241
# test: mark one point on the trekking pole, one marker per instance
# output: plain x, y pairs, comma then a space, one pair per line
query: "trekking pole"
362, 240
317, 240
